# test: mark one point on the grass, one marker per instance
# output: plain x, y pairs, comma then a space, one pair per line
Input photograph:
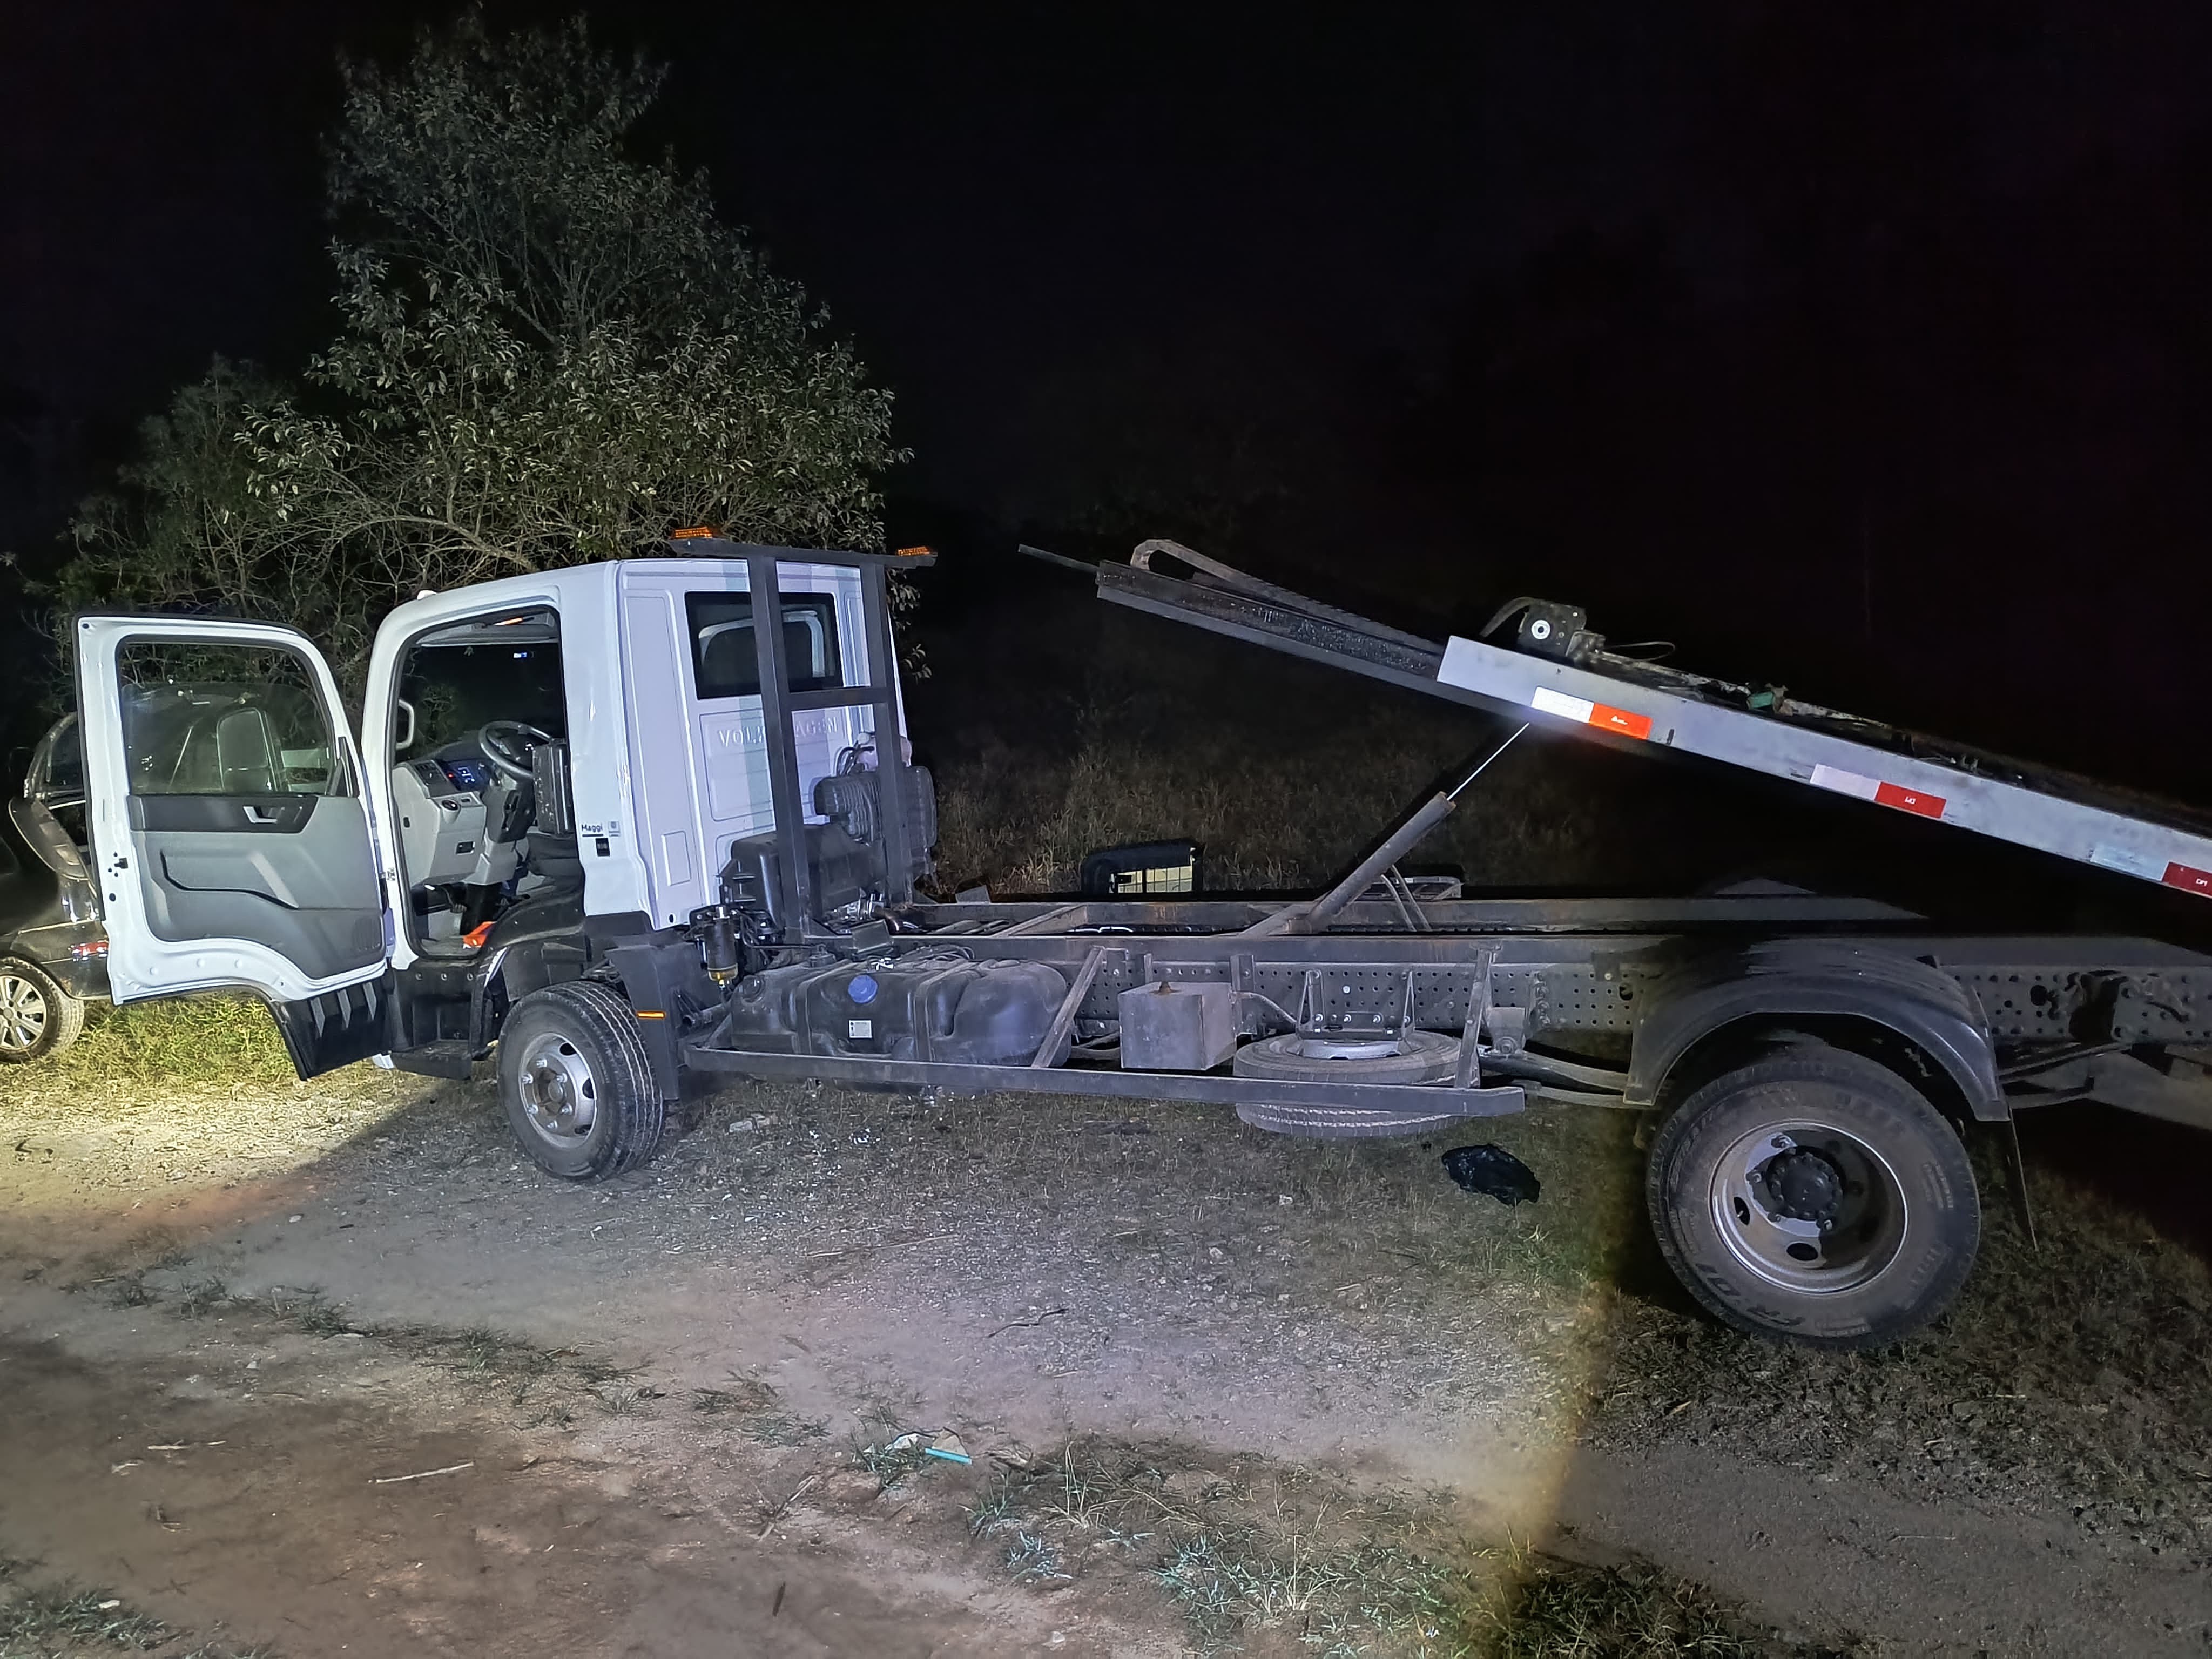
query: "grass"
1554, 1609
744, 1397
1241, 1548
482, 1360
37, 1622
46, 1621
202, 1040
1030, 1557
1246, 1547
889, 1463
2107, 1410
756, 1409
1271, 817
1341, 1596
317, 1315
119, 1273
128, 1291
201, 1297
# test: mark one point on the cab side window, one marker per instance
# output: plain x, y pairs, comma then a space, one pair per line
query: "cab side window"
726, 661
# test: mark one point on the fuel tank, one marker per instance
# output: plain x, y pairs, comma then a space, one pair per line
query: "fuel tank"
940, 1006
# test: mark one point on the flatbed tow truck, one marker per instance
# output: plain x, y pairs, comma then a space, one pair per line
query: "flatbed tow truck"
618, 826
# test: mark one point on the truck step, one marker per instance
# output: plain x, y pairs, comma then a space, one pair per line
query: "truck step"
449, 1057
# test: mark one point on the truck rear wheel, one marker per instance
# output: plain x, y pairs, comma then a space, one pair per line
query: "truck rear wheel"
576, 1082
1817, 1197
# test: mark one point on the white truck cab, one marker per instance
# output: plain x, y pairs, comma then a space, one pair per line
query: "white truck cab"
544, 759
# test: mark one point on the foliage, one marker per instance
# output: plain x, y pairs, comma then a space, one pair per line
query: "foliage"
187, 530
551, 351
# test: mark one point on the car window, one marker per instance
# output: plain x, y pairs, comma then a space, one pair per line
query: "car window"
725, 661
248, 721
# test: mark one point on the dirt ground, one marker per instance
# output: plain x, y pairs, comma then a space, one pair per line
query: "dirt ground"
328, 1368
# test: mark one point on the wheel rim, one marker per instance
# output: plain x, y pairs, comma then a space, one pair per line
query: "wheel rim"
1351, 1045
1350, 1057
560, 1095
1810, 1207
23, 1014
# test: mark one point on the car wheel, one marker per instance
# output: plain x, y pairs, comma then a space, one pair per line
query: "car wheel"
1817, 1197
576, 1082
37, 1017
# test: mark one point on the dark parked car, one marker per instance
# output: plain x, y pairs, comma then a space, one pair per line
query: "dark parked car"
53, 950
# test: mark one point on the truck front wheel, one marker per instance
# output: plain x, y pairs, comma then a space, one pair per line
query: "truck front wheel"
1814, 1195
576, 1082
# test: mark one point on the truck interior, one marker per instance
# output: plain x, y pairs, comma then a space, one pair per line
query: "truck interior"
480, 775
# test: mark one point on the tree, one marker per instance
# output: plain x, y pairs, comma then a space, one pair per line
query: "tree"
551, 351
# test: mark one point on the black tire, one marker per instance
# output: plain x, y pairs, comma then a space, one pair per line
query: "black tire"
1816, 1196
37, 1017
1345, 1122
576, 1083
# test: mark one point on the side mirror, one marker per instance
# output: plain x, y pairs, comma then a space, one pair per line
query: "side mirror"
405, 738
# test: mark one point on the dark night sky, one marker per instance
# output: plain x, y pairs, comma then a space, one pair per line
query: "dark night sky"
1866, 348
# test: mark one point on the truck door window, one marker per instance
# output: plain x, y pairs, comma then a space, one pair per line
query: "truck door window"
223, 719
723, 655
503, 668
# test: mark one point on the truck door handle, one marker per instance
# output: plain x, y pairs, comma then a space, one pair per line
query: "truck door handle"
261, 815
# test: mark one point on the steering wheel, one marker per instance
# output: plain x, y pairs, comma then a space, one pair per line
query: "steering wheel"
508, 745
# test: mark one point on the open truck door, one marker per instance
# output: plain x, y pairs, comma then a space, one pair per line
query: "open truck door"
230, 831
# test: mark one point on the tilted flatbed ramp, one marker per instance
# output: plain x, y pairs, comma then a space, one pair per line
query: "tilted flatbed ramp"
1634, 701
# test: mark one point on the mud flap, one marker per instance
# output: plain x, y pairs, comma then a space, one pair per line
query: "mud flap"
338, 1027
659, 984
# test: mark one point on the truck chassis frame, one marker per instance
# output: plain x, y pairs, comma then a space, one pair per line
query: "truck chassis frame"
1627, 987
